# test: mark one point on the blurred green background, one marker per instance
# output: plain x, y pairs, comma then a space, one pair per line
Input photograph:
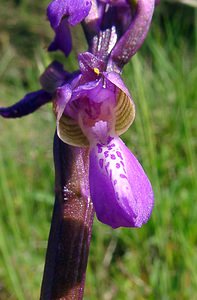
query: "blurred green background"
158, 261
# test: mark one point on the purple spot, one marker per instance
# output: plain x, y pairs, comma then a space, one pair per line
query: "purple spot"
115, 181
109, 139
99, 148
110, 174
101, 163
117, 165
113, 156
122, 163
119, 154
106, 168
123, 176
110, 147
106, 153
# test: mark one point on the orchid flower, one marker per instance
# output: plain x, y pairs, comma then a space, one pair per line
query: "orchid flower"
93, 107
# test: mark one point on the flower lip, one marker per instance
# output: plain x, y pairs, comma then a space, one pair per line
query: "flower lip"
120, 190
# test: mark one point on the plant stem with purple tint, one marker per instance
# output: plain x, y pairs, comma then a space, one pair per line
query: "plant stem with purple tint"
71, 225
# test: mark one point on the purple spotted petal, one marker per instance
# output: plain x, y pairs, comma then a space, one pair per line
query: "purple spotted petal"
133, 38
121, 192
27, 105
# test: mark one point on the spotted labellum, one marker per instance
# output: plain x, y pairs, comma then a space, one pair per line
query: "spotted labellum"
93, 107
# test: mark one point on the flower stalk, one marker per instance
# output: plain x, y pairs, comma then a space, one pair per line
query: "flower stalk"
71, 226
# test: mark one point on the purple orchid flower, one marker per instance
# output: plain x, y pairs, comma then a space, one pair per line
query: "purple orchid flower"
93, 112
93, 106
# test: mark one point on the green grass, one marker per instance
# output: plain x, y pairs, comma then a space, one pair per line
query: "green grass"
157, 261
